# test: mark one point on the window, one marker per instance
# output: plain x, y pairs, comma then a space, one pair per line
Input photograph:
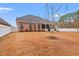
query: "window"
38, 26
43, 26
34, 26
30, 27
21, 26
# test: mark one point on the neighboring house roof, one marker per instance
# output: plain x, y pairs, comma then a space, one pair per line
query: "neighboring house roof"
32, 19
4, 22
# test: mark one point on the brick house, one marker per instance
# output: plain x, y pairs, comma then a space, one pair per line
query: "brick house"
32, 23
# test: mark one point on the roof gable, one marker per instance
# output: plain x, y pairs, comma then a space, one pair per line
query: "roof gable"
32, 19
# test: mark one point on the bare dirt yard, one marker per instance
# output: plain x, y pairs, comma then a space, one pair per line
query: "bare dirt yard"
40, 44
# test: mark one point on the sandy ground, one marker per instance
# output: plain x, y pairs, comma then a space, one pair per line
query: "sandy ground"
40, 43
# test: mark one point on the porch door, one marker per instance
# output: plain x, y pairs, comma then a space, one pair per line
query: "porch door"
47, 27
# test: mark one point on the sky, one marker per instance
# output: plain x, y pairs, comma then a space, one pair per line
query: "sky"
10, 11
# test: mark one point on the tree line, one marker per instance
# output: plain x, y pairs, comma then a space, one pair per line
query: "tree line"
69, 20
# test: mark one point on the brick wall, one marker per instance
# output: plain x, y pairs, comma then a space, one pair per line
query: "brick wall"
26, 26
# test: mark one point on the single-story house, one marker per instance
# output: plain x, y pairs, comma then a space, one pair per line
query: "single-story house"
32, 23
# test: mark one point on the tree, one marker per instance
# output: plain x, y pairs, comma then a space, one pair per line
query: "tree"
70, 20
52, 10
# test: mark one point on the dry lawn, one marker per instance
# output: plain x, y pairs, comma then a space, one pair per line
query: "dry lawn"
40, 43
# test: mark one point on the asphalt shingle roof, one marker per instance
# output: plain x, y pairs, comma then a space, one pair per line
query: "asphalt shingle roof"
32, 19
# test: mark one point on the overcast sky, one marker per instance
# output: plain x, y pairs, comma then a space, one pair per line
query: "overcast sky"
9, 11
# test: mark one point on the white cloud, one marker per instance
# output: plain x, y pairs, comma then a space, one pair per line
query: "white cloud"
56, 15
4, 9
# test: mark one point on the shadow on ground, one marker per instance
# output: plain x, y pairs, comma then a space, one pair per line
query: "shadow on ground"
52, 38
